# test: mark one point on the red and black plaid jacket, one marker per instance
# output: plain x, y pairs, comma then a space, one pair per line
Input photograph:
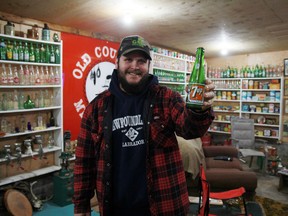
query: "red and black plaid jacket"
165, 113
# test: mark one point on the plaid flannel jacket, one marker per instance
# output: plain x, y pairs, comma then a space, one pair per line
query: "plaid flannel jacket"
165, 113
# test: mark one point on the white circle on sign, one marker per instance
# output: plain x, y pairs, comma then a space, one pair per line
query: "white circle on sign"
98, 79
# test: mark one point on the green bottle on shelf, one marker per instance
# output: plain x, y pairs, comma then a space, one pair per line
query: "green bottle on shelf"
3, 49
196, 85
29, 104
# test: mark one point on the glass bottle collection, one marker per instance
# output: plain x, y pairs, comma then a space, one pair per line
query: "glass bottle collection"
254, 71
29, 75
14, 50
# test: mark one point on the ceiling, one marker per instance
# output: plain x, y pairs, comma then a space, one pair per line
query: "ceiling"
239, 26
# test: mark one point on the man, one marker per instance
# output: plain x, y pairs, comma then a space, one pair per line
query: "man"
127, 149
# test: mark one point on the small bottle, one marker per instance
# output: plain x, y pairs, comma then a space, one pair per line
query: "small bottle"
4, 77
4, 102
52, 54
47, 99
29, 104
52, 120
51, 76
9, 51
41, 99
20, 52
16, 80
57, 55
29, 126
31, 53
42, 53
10, 101
195, 96
47, 54
15, 102
57, 76
21, 76
10, 76
46, 33
31, 76
27, 75
26, 52
37, 76
3, 49
36, 100
21, 100
15, 51
37, 53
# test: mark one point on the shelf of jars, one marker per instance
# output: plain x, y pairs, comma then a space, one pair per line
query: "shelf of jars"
251, 92
30, 107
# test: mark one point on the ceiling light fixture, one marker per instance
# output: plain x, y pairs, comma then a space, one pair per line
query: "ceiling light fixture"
127, 20
224, 52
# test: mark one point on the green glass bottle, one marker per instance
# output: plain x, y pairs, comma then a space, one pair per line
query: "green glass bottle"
196, 85
3, 49
52, 55
42, 53
31, 53
47, 54
26, 52
37, 53
29, 104
9, 50
57, 55
20, 52
15, 51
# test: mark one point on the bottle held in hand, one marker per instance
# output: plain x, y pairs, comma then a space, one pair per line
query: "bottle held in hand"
196, 85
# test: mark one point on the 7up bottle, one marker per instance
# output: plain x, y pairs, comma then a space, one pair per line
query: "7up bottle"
196, 85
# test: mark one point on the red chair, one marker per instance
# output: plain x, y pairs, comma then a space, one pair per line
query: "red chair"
205, 195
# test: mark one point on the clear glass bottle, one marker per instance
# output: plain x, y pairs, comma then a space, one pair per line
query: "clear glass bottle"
4, 77
15, 101
21, 99
22, 80
10, 77
16, 80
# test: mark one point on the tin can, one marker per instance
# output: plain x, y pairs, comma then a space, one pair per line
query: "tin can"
250, 84
249, 96
256, 85
229, 95
272, 95
245, 84
224, 95
271, 108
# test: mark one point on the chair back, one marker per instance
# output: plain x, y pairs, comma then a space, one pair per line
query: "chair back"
203, 208
242, 133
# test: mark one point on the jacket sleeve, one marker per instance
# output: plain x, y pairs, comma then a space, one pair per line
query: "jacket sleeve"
84, 168
189, 124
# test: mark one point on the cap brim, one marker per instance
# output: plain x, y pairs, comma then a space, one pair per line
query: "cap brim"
137, 49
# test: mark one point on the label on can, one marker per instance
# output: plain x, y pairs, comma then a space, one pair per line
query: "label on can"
196, 93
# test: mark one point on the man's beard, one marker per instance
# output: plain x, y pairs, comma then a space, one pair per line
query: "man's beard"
133, 88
